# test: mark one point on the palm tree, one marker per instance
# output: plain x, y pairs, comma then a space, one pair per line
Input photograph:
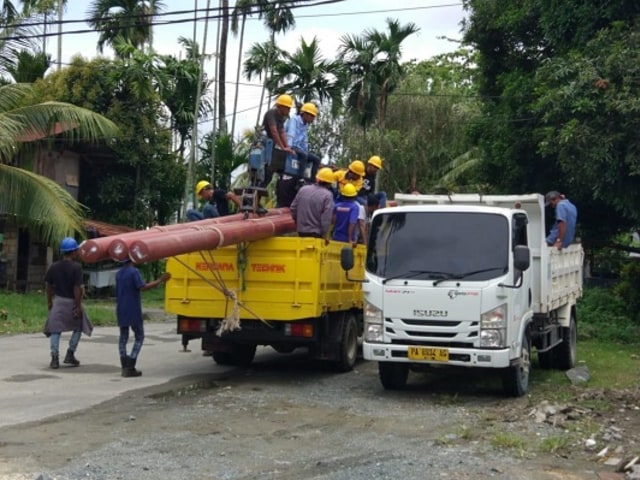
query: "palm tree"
373, 62
259, 59
29, 66
130, 19
278, 18
308, 76
37, 202
178, 87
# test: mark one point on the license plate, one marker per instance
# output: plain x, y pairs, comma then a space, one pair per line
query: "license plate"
431, 354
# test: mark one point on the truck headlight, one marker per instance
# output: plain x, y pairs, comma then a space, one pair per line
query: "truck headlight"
373, 324
493, 327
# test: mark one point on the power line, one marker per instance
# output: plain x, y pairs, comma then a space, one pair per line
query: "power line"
213, 17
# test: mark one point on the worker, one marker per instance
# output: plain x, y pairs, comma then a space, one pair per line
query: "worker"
345, 216
374, 165
217, 202
564, 228
274, 120
312, 207
352, 175
297, 129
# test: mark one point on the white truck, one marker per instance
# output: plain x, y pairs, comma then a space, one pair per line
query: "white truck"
468, 281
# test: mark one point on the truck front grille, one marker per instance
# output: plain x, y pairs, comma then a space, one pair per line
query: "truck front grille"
442, 333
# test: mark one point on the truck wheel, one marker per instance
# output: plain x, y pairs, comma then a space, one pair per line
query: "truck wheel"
567, 350
242, 354
515, 379
393, 376
546, 360
348, 351
222, 358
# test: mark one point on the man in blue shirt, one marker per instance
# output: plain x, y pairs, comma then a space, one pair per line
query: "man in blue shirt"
297, 129
129, 284
345, 216
564, 228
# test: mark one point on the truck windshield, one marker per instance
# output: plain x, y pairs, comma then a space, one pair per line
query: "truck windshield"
438, 245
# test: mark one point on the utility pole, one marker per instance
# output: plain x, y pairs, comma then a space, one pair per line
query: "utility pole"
60, 11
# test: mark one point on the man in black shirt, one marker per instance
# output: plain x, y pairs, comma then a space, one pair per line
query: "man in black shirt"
217, 202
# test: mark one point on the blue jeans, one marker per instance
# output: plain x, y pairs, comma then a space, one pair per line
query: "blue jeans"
138, 332
54, 342
208, 211
303, 159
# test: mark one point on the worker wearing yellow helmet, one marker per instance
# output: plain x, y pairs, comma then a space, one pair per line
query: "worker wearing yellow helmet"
297, 129
274, 120
374, 165
217, 202
312, 207
345, 216
351, 175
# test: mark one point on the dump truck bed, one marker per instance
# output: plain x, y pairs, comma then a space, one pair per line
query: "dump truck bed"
277, 279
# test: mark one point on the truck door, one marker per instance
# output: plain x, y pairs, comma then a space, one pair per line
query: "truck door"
522, 296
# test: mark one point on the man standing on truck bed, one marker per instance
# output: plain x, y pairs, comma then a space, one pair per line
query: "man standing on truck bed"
217, 202
312, 207
564, 229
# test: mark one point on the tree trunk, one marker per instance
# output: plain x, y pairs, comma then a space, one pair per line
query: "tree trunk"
235, 98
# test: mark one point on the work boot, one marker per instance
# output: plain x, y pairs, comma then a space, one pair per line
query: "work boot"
70, 359
55, 362
130, 370
125, 365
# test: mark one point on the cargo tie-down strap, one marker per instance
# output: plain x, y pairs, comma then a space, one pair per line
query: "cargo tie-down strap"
231, 322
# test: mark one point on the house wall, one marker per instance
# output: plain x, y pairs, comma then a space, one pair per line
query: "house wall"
25, 258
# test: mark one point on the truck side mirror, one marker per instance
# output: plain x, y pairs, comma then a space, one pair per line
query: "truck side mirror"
346, 258
521, 257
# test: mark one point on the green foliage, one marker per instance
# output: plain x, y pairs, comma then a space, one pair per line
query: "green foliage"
602, 315
226, 159
142, 185
627, 289
560, 102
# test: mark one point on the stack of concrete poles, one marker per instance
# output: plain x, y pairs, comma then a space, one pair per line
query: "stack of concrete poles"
166, 241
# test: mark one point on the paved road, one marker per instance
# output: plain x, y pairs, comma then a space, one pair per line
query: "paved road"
30, 390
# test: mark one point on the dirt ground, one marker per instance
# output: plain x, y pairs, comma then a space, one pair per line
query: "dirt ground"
288, 418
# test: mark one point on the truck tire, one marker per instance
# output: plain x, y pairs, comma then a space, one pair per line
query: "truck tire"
222, 358
547, 360
242, 354
348, 350
515, 379
393, 376
567, 350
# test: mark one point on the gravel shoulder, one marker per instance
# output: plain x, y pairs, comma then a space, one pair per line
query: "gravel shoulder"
288, 418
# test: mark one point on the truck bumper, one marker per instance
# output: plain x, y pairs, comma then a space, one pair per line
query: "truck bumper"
463, 357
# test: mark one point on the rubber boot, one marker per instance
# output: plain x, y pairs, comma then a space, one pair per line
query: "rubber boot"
70, 359
130, 370
124, 364
55, 361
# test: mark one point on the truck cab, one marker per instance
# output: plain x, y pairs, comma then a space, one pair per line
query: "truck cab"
463, 281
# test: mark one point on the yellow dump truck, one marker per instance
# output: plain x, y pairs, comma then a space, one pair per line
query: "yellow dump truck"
287, 292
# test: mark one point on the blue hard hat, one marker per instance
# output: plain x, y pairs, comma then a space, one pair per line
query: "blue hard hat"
68, 244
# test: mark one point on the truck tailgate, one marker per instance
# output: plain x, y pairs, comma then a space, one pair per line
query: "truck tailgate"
280, 278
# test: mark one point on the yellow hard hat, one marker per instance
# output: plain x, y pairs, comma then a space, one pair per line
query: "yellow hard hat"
349, 191
325, 175
309, 108
285, 100
376, 161
201, 185
357, 167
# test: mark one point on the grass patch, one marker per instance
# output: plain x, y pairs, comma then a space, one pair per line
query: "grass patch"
555, 444
510, 441
26, 313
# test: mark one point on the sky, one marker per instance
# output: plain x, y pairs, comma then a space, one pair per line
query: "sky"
438, 20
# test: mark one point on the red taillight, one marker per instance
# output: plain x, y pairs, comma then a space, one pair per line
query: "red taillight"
299, 330
191, 325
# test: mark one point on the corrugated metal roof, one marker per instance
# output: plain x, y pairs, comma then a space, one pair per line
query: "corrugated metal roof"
96, 228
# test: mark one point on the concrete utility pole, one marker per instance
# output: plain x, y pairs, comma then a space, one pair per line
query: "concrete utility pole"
60, 12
